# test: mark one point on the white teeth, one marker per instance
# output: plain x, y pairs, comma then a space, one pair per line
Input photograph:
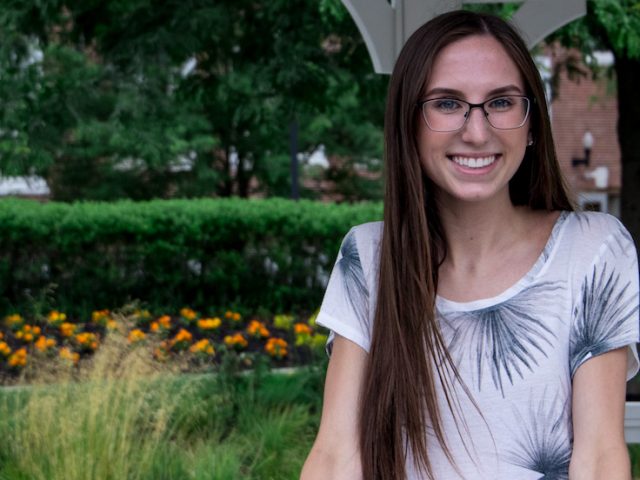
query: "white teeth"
474, 162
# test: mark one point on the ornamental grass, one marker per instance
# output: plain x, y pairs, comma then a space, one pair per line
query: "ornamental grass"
118, 414
101, 420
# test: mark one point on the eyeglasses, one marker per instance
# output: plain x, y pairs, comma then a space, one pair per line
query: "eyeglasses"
450, 114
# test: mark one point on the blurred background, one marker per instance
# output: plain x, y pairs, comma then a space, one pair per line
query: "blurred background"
141, 100
193, 161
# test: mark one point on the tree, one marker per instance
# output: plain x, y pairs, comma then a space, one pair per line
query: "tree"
140, 84
77, 121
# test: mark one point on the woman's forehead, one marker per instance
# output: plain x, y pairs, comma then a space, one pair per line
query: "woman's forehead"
476, 65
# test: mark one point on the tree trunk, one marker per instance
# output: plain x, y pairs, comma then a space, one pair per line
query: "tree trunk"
242, 177
226, 186
628, 78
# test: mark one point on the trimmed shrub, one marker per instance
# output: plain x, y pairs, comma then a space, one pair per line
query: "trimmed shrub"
270, 254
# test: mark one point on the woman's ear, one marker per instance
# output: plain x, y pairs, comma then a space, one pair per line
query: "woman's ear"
529, 139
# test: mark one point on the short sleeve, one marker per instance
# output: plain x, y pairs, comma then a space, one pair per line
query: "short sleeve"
605, 315
345, 307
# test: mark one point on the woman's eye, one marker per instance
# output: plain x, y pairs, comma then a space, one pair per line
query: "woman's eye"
502, 103
446, 105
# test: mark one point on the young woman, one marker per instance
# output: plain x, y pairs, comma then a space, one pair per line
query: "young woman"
484, 330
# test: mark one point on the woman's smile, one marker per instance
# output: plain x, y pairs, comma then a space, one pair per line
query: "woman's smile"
474, 162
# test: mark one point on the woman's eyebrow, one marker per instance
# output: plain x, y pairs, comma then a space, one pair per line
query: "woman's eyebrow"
457, 93
505, 89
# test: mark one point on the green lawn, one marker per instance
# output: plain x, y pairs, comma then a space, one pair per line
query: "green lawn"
634, 453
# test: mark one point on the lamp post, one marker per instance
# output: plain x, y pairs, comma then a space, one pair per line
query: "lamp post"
587, 144
293, 147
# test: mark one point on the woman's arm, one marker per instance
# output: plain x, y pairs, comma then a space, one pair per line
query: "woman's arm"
599, 448
335, 453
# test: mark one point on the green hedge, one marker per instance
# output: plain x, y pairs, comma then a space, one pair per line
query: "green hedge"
259, 254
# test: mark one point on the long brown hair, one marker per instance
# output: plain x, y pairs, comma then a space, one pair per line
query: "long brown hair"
401, 380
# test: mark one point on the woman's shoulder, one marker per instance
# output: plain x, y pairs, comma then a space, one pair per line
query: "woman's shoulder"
590, 232
363, 241
369, 230
596, 225
365, 236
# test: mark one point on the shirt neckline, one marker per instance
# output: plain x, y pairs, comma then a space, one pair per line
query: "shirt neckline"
444, 305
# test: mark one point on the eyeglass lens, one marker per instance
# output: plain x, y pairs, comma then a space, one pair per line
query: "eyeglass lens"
448, 114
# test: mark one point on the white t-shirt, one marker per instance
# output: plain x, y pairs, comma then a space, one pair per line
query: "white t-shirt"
516, 352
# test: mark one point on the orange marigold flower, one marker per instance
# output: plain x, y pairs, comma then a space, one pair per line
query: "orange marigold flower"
5, 349
56, 318
188, 314
13, 321
136, 335
104, 318
303, 333
202, 346
302, 329
257, 329
68, 354
276, 347
209, 323
43, 343
18, 358
87, 340
230, 315
181, 340
236, 341
162, 323
183, 336
100, 317
67, 329
27, 333
142, 315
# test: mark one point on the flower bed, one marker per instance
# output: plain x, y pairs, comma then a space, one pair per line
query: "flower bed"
193, 340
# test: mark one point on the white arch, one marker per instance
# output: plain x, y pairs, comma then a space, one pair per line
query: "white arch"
386, 26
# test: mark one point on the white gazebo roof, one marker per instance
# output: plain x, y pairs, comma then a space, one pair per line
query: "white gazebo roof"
387, 24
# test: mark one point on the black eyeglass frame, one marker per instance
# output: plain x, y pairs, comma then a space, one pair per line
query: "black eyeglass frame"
420, 104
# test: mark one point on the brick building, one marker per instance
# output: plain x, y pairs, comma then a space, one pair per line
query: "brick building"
581, 107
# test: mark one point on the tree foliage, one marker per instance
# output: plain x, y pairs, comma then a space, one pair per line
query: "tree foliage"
127, 93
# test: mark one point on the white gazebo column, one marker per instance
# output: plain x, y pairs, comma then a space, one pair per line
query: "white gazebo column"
386, 25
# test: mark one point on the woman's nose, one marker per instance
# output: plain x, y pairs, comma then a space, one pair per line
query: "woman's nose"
476, 128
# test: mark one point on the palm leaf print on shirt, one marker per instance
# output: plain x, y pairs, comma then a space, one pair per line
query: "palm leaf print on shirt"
544, 442
355, 287
504, 339
601, 319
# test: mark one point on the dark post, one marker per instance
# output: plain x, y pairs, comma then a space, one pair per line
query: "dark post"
293, 142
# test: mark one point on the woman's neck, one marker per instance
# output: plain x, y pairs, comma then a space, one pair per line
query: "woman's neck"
490, 246
477, 231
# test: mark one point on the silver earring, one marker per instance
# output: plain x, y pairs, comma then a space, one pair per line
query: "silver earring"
530, 142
